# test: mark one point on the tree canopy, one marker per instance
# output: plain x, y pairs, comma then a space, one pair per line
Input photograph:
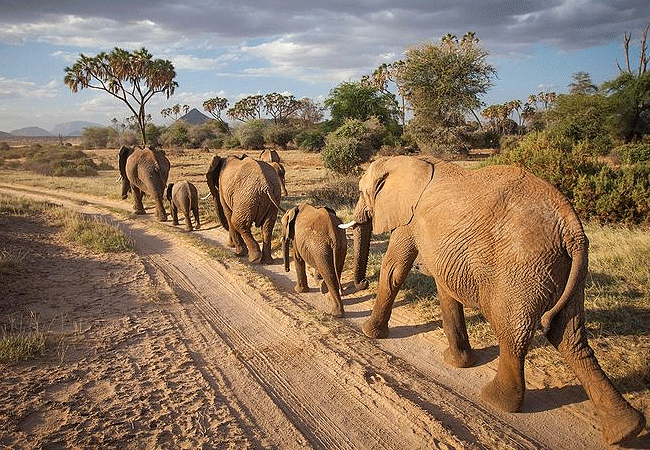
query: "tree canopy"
359, 100
132, 77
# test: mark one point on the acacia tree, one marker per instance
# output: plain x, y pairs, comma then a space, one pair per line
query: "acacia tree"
132, 77
444, 82
247, 108
281, 107
359, 100
386, 73
215, 106
629, 92
175, 111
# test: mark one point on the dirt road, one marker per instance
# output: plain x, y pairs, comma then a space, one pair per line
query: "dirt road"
228, 356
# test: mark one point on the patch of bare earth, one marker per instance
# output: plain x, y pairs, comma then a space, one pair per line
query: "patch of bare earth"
170, 348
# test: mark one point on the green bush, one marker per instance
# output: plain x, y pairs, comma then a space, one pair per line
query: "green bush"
279, 135
310, 140
351, 144
59, 162
598, 191
4, 146
340, 192
97, 137
176, 135
251, 134
632, 153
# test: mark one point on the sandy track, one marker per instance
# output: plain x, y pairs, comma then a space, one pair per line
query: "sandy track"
288, 376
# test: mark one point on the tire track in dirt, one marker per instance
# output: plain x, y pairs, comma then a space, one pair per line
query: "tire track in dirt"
287, 367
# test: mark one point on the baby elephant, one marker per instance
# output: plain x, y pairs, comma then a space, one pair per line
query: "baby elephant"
183, 196
318, 242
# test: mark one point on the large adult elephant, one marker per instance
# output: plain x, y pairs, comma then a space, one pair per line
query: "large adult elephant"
144, 171
498, 239
246, 192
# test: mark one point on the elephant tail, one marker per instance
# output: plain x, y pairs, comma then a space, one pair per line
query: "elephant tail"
579, 261
277, 205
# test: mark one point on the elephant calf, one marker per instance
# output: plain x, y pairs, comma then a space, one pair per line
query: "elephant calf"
184, 196
318, 242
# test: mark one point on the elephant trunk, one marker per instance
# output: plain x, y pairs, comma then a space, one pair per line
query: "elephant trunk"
285, 252
362, 234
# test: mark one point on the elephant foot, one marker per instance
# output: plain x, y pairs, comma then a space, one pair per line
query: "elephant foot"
299, 288
140, 212
189, 228
323, 287
627, 424
501, 397
230, 244
198, 226
464, 358
374, 330
267, 260
241, 251
361, 285
337, 311
175, 222
255, 258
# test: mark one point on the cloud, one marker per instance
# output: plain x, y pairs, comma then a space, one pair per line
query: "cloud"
16, 89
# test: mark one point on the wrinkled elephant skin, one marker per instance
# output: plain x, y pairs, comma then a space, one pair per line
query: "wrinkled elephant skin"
144, 171
498, 239
319, 243
246, 192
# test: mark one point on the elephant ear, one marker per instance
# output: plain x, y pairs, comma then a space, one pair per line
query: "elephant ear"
125, 152
289, 223
398, 185
212, 178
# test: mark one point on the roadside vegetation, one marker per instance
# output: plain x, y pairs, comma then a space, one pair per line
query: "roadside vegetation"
25, 338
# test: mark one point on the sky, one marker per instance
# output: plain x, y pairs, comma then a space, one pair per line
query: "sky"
233, 49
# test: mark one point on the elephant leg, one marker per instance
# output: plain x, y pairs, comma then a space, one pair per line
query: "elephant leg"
197, 220
301, 273
619, 420
138, 207
267, 236
506, 390
459, 353
330, 285
188, 220
174, 214
254, 253
395, 266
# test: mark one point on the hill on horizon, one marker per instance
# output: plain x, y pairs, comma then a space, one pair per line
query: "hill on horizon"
75, 128
4, 135
31, 132
195, 117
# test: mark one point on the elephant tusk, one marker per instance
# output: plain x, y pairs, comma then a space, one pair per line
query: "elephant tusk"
119, 179
345, 226
209, 194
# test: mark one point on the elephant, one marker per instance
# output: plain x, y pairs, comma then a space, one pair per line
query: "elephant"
319, 243
498, 239
246, 192
184, 196
279, 169
270, 156
145, 171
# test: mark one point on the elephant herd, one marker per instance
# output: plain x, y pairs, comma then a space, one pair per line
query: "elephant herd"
498, 239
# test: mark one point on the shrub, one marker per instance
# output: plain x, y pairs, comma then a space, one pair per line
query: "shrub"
59, 161
97, 137
310, 140
340, 192
4, 146
632, 153
279, 135
208, 134
176, 135
251, 134
598, 191
351, 144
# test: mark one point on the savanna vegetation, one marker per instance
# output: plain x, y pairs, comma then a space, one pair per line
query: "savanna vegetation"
593, 143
